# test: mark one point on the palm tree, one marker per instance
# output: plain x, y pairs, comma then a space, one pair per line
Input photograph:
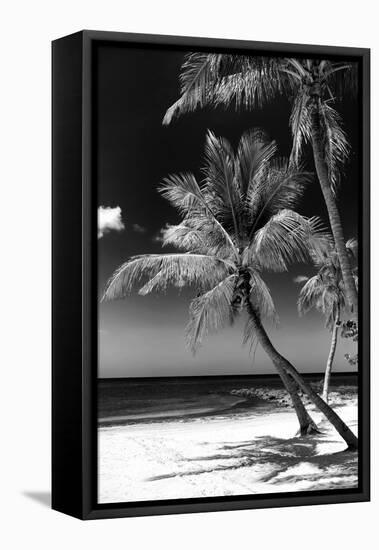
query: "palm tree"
325, 292
236, 223
313, 85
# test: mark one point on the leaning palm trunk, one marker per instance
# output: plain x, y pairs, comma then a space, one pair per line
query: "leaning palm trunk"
283, 364
329, 364
333, 213
307, 425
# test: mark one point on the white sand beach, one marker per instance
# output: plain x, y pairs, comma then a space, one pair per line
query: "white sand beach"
238, 454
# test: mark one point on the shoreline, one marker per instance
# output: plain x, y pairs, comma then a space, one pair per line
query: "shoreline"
225, 403
336, 397
221, 402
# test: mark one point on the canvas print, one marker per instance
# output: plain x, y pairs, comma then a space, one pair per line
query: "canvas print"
227, 192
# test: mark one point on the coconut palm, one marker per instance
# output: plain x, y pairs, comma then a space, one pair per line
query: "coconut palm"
313, 86
235, 224
325, 292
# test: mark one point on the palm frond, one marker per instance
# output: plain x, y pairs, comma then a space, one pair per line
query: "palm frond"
165, 269
184, 237
310, 294
249, 333
261, 297
325, 298
210, 312
291, 73
286, 238
342, 78
255, 150
324, 292
300, 124
220, 184
352, 247
200, 234
198, 77
222, 79
297, 66
254, 157
253, 82
284, 186
183, 191
336, 145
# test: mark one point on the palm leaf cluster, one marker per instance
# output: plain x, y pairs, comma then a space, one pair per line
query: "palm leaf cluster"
325, 291
220, 78
252, 81
315, 85
237, 221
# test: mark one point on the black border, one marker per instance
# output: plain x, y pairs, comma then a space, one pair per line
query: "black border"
81, 375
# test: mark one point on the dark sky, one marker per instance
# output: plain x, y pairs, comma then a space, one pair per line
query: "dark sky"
144, 336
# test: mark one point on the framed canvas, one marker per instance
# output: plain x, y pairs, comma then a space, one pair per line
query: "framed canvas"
210, 275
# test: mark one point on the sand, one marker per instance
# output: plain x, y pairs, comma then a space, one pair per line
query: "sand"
235, 454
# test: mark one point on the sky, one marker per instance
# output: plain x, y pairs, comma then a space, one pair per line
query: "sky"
144, 336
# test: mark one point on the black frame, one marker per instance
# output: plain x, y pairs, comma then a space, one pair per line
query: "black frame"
74, 418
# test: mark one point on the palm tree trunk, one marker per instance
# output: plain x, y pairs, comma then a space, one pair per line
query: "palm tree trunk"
334, 216
329, 364
307, 425
282, 364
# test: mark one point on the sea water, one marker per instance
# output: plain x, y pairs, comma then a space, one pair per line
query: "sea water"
130, 401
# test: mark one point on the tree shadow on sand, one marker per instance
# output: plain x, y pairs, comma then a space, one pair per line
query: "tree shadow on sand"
288, 461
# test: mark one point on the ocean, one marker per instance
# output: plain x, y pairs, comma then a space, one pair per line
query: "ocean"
131, 401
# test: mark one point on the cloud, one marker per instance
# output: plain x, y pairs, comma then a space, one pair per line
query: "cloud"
300, 279
138, 228
108, 219
159, 237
